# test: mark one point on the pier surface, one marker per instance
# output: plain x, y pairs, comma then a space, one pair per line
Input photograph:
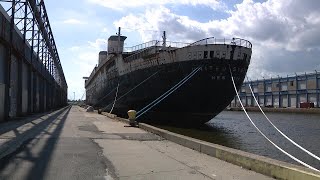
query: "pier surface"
72, 144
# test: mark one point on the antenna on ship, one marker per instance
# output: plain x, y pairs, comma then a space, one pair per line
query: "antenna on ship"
164, 37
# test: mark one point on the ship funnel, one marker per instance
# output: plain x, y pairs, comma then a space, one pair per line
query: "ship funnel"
115, 43
102, 56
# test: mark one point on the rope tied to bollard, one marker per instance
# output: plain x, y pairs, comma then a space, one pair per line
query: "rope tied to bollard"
115, 98
275, 145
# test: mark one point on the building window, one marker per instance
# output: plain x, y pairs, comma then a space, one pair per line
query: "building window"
268, 88
223, 54
291, 83
211, 54
244, 56
200, 55
205, 54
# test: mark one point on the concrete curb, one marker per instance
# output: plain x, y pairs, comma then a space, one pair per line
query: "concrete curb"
259, 164
263, 165
112, 116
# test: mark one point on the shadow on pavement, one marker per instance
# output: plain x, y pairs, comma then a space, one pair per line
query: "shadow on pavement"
45, 135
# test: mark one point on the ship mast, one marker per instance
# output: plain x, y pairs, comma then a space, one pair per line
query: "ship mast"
119, 30
164, 37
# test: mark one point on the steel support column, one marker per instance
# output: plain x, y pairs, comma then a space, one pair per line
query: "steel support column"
318, 89
31, 58
19, 90
307, 94
9, 56
297, 100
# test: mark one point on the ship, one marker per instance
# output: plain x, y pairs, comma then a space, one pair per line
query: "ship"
169, 82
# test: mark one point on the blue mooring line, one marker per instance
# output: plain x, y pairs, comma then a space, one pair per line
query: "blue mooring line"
167, 93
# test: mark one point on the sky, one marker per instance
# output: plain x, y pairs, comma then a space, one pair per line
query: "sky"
284, 33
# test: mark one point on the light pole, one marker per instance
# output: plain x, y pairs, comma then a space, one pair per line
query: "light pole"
74, 96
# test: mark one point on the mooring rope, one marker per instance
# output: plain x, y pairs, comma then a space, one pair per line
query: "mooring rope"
291, 156
81, 102
105, 96
167, 93
83, 95
293, 142
134, 87
115, 98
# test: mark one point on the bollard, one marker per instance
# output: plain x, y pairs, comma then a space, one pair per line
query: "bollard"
132, 117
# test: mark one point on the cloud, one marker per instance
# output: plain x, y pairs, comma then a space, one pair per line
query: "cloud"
73, 21
284, 34
82, 58
99, 44
160, 19
86, 56
116, 5
74, 48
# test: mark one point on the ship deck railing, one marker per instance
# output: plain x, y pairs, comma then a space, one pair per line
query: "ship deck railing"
138, 54
141, 50
153, 43
233, 41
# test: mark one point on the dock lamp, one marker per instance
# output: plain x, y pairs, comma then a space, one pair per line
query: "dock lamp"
132, 117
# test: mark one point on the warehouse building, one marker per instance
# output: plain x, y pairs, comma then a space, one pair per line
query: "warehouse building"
296, 91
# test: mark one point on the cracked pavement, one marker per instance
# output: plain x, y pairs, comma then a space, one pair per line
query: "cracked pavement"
72, 144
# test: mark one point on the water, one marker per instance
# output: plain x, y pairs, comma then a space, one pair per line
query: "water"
233, 129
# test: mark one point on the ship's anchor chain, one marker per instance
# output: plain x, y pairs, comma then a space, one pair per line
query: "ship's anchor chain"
167, 93
275, 145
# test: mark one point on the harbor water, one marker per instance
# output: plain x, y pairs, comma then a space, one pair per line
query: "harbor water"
233, 129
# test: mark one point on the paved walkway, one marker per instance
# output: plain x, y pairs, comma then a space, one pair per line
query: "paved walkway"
73, 144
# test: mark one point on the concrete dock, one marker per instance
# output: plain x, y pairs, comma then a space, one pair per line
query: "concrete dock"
72, 144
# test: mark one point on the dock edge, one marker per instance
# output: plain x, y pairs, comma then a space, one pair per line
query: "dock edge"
260, 164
